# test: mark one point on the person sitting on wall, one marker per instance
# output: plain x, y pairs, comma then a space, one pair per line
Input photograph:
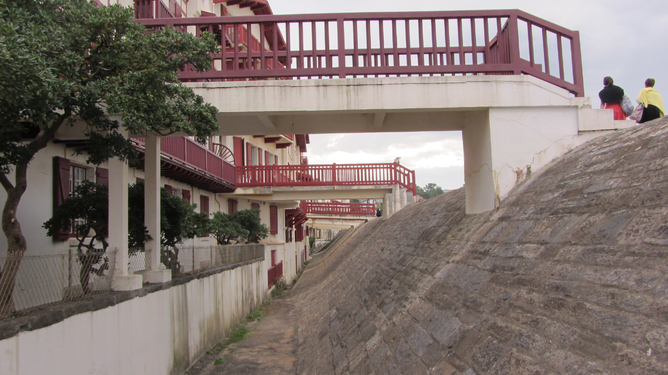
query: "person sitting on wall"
611, 98
651, 99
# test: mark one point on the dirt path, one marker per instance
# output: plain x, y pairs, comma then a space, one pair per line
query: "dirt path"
269, 348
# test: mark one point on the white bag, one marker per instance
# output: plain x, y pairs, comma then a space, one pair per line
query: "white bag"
627, 106
637, 113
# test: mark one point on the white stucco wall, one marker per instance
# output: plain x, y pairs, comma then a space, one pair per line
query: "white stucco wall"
161, 333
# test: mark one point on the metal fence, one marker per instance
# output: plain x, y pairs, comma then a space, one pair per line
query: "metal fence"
46, 279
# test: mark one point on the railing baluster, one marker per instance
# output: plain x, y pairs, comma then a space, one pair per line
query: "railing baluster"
421, 41
561, 56
532, 60
434, 44
474, 42
409, 58
395, 46
546, 54
314, 43
460, 32
355, 46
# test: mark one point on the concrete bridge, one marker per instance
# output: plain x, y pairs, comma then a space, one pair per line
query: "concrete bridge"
495, 75
512, 126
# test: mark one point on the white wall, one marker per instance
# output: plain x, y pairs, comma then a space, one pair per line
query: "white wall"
161, 333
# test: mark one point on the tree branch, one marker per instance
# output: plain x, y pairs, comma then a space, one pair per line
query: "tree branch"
5, 182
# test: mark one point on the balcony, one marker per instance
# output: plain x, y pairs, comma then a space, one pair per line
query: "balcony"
185, 160
326, 175
481, 42
339, 208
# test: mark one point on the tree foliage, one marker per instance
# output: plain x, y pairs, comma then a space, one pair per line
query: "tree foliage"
240, 226
85, 214
225, 229
250, 221
430, 190
68, 63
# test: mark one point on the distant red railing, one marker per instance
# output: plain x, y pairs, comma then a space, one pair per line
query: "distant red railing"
338, 208
487, 42
326, 175
275, 273
189, 152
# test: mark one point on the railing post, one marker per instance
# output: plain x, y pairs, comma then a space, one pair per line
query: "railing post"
514, 43
576, 57
342, 46
334, 173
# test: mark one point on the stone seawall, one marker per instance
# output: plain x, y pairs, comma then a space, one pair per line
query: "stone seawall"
568, 275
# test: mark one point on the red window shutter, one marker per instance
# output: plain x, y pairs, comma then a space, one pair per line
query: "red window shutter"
276, 159
169, 189
203, 203
249, 154
273, 219
204, 206
260, 161
231, 206
299, 233
186, 195
61, 189
255, 206
140, 179
267, 158
273, 258
238, 151
102, 176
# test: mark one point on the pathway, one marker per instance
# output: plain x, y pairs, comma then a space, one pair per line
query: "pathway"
269, 349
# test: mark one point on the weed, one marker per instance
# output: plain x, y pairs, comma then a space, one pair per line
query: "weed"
256, 314
237, 334
218, 362
279, 286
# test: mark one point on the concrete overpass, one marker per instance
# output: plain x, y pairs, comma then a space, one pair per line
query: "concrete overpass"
512, 126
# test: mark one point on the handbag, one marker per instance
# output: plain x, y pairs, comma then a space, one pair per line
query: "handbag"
627, 106
637, 113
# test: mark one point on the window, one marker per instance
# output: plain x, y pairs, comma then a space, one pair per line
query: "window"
77, 176
255, 206
232, 206
67, 177
254, 158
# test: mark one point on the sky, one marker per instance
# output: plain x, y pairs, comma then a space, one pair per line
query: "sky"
619, 38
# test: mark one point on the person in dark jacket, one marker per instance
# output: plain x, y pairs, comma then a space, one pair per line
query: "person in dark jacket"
611, 98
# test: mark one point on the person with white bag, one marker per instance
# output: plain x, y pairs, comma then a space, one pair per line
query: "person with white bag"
611, 98
651, 102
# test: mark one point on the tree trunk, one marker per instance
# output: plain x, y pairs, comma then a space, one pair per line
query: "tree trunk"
16, 242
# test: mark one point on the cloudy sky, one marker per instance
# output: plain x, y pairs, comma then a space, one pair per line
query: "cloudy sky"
623, 39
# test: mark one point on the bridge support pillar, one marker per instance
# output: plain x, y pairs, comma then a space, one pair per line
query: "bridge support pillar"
503, 146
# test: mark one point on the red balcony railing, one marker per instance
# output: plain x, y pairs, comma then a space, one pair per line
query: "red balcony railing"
338, 208
326, 175
492, 42
275, 273
188, 152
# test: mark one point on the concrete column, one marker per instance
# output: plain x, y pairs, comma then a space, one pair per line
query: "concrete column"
118, 226
479, 177
396, 192
388, 205
152, 273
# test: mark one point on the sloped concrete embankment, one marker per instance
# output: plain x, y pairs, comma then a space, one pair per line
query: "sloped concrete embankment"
569, 275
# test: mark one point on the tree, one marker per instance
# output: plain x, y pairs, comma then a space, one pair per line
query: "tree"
86, 211
178, 221
67, 61
430, 190
225, 229
250, 221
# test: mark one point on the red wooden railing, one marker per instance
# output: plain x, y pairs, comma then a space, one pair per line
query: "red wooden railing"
338, 208
394, 44
275, 273
189, 152
326, 175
